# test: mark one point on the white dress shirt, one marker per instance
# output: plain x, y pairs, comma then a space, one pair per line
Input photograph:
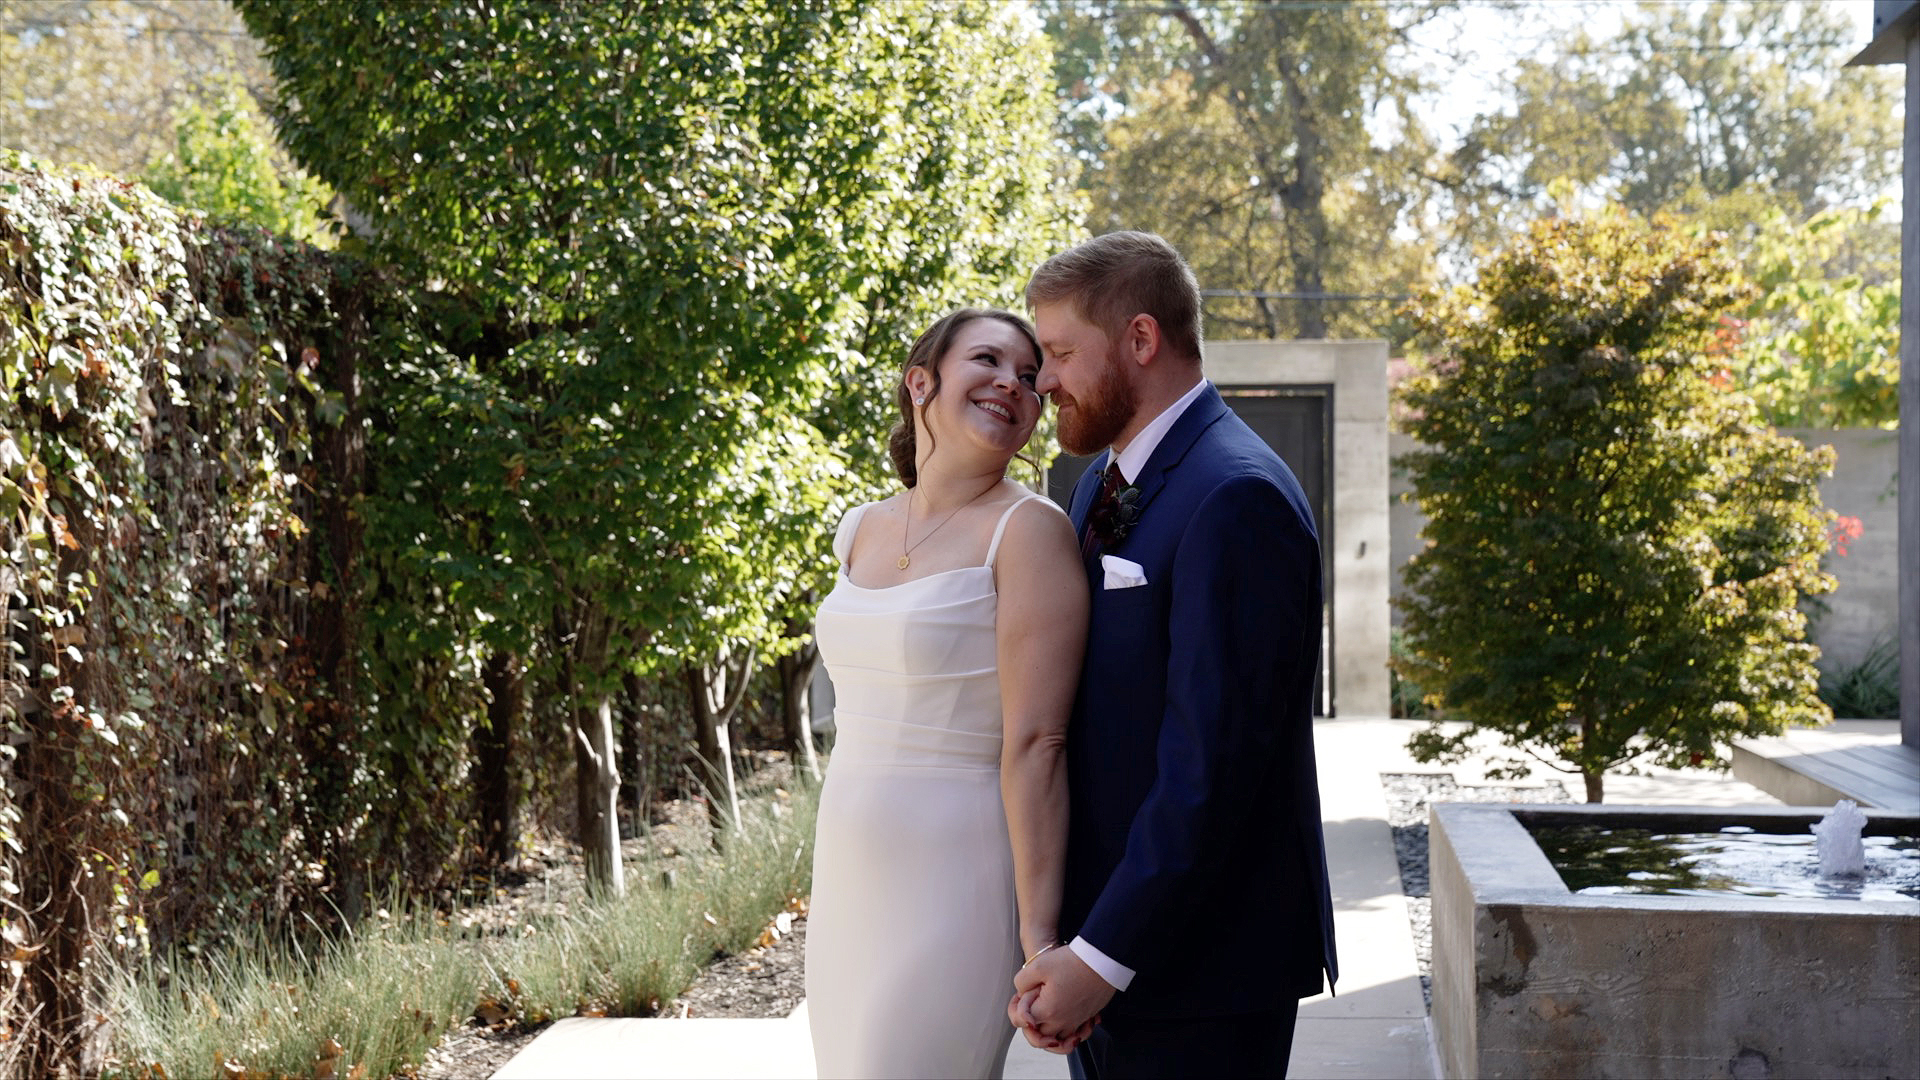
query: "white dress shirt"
1132, 458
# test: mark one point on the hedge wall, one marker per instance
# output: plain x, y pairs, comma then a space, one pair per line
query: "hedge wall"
180, 450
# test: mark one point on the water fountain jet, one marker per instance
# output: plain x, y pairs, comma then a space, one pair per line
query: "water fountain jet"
1837, 838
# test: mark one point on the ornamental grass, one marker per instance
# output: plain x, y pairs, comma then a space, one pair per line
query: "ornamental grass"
372, 1002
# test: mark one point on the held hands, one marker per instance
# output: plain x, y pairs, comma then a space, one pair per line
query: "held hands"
1020, 1011
1057, 1000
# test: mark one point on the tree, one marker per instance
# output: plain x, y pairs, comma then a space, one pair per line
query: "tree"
222, 164
1820, 345
102, 82
679, 249
1718, 110
1616, 541
1273, 144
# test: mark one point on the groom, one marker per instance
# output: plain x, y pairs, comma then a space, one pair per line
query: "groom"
1196, 888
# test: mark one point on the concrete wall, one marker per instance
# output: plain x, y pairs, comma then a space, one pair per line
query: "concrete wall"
1530, 979
1865, 606
1358, 550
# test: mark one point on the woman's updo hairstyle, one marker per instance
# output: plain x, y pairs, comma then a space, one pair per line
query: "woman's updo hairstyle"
927, 350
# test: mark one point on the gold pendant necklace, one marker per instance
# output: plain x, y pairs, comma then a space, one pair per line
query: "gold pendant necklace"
906, 550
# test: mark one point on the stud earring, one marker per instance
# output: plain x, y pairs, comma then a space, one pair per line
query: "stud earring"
919, 401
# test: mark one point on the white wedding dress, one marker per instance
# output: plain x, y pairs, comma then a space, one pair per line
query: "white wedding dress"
912, 942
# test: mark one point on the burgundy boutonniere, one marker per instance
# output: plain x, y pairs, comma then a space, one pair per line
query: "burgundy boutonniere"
1113, 519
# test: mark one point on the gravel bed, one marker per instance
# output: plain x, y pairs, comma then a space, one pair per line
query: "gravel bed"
1409, 796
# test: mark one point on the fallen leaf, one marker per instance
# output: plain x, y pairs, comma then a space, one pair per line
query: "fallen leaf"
327, 1059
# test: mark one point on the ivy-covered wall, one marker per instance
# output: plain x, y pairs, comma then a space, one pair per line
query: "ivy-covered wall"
179, 452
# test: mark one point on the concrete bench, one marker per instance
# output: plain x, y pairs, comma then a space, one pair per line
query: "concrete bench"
1854, 761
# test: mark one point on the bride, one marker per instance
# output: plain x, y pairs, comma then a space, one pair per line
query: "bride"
953, 636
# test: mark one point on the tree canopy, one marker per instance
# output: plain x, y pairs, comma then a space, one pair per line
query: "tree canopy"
223, 165
1617, 543
1819, 345
1273, 144
678, 252
693, 229
1720, 111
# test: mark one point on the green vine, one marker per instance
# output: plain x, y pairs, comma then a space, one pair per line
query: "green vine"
159, 490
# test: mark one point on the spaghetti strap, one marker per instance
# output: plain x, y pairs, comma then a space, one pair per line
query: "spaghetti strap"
843, 537
993, 548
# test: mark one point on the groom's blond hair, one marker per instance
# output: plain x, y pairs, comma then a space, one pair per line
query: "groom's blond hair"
1111, 278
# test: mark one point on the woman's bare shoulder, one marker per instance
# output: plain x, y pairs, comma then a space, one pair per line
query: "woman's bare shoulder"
1038, 526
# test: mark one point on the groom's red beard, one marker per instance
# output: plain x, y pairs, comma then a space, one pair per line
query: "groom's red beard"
1092, 423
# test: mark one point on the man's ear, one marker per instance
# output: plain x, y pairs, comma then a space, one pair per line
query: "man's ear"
1142, 339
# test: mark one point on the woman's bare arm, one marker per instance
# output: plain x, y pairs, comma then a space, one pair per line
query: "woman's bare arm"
1041, 636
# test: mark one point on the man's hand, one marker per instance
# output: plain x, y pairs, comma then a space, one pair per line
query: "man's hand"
1019, 1010
1057, 999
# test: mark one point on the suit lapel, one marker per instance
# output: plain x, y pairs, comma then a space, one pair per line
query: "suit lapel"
1207, 410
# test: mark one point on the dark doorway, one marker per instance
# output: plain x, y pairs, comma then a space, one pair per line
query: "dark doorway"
1297, 422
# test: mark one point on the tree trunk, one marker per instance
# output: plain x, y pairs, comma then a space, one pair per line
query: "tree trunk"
1596, 780
582, 643
1595, 776
1305, 199
599, 826
714, 745
1299, 191
633, 737
796, 712
499, 809
329, 734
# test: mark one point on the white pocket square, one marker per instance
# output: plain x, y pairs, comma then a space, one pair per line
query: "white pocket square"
1122, 573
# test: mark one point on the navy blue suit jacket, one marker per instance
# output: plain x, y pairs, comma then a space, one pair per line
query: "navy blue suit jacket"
1194, 852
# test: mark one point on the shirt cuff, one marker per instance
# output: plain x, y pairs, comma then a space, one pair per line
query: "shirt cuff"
1116, 974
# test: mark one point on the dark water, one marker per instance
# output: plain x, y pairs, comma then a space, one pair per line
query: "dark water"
1735, 861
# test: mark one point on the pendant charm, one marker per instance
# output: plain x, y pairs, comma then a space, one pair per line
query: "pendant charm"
902, 564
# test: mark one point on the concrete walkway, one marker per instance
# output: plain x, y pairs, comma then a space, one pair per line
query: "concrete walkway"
1376, 1028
